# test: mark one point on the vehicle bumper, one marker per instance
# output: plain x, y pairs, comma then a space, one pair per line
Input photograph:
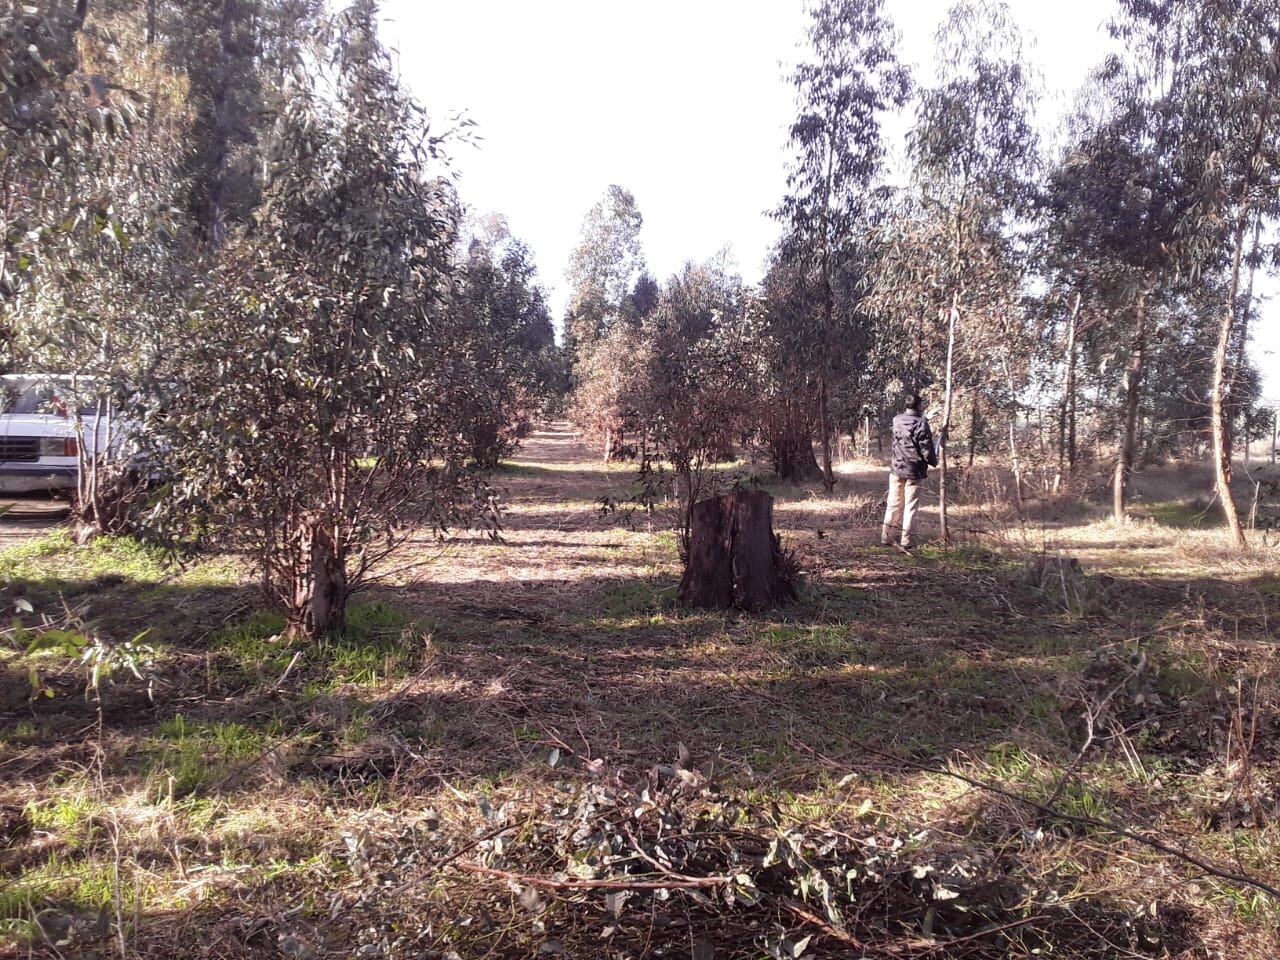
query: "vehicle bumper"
34, 477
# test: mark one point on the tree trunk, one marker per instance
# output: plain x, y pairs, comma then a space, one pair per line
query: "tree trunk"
824, 427
1221, 435
944, 532
1067, 418
316, 598
1133, 384
789, 437
1275, 435
735, 559
222, 126
828, 313
151, 21
1016, 464
329, 589
866, 436
1221, 381
973, 428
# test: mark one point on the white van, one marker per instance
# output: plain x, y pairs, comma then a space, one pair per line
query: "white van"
41, 429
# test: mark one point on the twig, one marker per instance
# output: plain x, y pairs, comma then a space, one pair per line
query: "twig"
289, 669
979, 934
831, 931
1091, 715
550, 884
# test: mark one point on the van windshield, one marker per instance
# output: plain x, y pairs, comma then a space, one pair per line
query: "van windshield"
39, 398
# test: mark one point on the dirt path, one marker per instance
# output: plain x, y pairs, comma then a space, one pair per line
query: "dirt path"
27, 517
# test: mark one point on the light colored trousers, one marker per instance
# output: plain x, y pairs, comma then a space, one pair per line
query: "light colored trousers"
904, 499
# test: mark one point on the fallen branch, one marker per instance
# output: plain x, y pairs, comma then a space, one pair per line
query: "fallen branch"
530, 880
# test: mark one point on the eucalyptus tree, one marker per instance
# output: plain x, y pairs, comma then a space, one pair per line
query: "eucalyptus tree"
1231, 155
501, 312
101, 311
696, 401
783, 379
853, 79
609, 385
953, 254
55, 121
317, 410
602, 269
238, 57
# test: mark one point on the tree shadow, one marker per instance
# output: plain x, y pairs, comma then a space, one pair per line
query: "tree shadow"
928, 657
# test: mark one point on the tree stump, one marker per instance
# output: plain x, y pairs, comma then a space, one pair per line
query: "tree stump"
735, 559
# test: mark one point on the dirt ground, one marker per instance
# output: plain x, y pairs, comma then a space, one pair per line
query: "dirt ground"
527, 748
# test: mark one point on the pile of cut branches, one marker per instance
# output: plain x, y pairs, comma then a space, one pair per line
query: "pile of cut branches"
672, 867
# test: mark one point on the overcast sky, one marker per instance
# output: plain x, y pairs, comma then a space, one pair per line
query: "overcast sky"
683, 102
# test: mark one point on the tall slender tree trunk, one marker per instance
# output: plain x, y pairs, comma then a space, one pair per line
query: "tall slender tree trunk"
151, 21
1222, 382
944, 530
973, 428
1275, 435
1015, 463
1218, 413
1067, 410
222, 125
828, 312
789, 437
824, 425
1126, 455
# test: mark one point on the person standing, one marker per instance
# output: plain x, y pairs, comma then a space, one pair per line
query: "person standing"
914, 452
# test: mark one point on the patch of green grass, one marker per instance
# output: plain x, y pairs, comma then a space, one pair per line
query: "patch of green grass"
54, 556
379, 641
628, 598
67, 815
21, 730
1079, 800
1252, 906
1268, 588
666, 540
70, 886
187, 756
809, 646
1181, 514
1010, 763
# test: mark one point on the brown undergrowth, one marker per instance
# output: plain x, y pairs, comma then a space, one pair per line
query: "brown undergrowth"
525, 748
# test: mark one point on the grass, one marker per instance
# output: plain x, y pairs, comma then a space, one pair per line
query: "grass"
503, 683
54, 556
380, 641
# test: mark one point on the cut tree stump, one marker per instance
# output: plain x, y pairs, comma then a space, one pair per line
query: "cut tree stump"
735, 559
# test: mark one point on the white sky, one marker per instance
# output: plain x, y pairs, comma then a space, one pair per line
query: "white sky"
683, 102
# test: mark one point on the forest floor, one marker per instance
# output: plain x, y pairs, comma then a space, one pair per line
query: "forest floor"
526, 748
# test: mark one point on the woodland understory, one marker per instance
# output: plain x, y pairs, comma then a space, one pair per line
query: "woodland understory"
526, 748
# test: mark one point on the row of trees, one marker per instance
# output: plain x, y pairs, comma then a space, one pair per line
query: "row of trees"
1105, 277
240, 234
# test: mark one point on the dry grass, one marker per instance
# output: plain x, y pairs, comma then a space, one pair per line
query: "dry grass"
262, 805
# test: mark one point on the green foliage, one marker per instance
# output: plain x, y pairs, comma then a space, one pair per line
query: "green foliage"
602, 268
320, 399
501, 309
